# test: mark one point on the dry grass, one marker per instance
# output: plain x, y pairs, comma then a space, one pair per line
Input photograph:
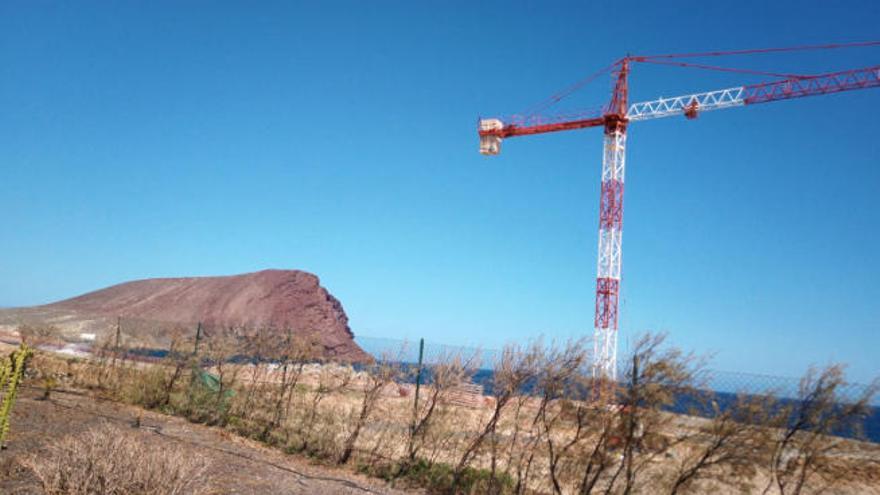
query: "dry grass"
110, 460
553, 439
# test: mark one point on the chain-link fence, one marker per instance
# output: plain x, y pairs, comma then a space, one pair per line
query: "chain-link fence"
725, 386
148, 337
145, 339
731, 382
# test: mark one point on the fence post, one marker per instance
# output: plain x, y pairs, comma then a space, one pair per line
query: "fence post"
116, 343
195, 360
198, 337
418, 381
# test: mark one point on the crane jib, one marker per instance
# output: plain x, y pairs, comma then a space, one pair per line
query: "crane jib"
796, 87
692, 104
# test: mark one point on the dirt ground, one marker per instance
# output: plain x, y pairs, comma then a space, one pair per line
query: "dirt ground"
239, 466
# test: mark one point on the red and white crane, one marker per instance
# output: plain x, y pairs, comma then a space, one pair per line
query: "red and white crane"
615, 117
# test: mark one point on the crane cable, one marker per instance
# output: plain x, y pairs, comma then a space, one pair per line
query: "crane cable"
833, 46
723, 69
663, 59
556, 98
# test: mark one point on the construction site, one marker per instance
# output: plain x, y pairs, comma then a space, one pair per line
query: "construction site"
228, 274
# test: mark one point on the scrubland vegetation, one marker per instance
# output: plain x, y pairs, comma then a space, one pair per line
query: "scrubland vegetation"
544, 426
113, 461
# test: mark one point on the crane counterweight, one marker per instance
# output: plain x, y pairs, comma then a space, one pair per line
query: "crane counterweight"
490, 143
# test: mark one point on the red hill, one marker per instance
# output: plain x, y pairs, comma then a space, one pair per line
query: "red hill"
277, 298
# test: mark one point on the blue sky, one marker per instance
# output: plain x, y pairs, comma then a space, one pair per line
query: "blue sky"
153, 139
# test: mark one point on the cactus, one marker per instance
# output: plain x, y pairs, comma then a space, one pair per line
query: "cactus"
11, 373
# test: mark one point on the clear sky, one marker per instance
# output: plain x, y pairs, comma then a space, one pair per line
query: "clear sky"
155, 139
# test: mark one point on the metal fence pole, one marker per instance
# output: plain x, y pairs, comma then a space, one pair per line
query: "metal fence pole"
195, 361
418, 381
198, 336
116, 344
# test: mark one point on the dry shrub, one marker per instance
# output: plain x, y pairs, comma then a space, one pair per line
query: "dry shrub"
290, 354
513, 370
110, 460
541, 428
316, 421
450, 370
369, 388
35, 335
143, 387
802, 444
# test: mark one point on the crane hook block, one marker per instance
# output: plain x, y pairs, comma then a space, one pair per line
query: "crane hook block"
490, 140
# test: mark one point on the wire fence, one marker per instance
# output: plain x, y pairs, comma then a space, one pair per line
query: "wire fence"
150, 340
723, 386
152, 337
729, 382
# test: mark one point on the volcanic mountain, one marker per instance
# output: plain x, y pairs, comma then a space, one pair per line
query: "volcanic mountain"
272, 299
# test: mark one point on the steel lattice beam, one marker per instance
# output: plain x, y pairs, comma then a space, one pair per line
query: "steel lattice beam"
679, 105
796, 87
610, 252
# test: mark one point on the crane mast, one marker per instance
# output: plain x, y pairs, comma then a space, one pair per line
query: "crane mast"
610, 249
614, 120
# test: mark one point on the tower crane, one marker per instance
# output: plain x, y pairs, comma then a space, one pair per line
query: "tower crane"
614, 119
